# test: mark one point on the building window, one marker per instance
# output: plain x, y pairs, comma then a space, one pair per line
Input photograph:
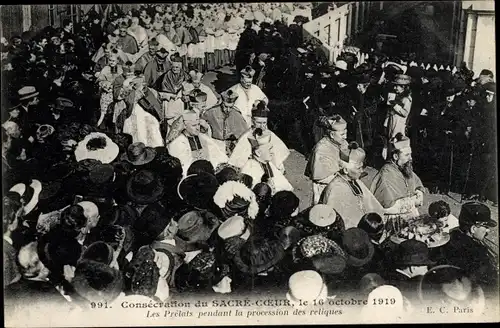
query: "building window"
337, 24
328, 33
365, 13
52, 15
73, 13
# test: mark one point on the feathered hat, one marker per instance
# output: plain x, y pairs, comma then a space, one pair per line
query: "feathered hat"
234, 196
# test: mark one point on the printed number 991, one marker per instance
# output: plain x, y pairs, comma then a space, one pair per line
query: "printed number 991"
384, 301
99, 305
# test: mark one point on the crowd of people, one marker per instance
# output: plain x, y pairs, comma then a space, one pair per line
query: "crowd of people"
125, 176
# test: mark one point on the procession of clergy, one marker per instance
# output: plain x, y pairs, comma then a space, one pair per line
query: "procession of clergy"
234, 132
160, 188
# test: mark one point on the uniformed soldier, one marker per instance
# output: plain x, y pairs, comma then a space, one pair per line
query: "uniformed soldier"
466, 248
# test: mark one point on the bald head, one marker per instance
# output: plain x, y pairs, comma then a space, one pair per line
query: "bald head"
91, 213
30, 263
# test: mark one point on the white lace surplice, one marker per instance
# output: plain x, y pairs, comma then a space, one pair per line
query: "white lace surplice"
143, 127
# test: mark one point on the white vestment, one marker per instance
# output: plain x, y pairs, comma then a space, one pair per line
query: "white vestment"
140, 35
181, 149
277, 183
165, 42
243, 151
246, 99
143, 127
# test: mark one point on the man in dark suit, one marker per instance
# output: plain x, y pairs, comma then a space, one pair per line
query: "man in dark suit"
444, 123
246, 45
28, 103
366, 102
34, 287
467, 248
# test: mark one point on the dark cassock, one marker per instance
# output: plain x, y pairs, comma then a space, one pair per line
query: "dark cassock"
323, 91
128, 44
295, 35
418, 122
246, 45
141, 63
97, 35
423, 129
171, 82
156, 68
197, 32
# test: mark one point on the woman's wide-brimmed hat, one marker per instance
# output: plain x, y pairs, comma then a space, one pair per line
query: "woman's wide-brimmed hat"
101, 176
198, 190
138, 154
142, 273
197, 226
325, 255
235, 198
53, 197
258, 255
153, 221
306, 285
98, 251
203, 270
233, 227
144, 187
322, 215
58, 252
413, 253
97, 281
356, 243
30, 193
97, 146
283, 204
447, 282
